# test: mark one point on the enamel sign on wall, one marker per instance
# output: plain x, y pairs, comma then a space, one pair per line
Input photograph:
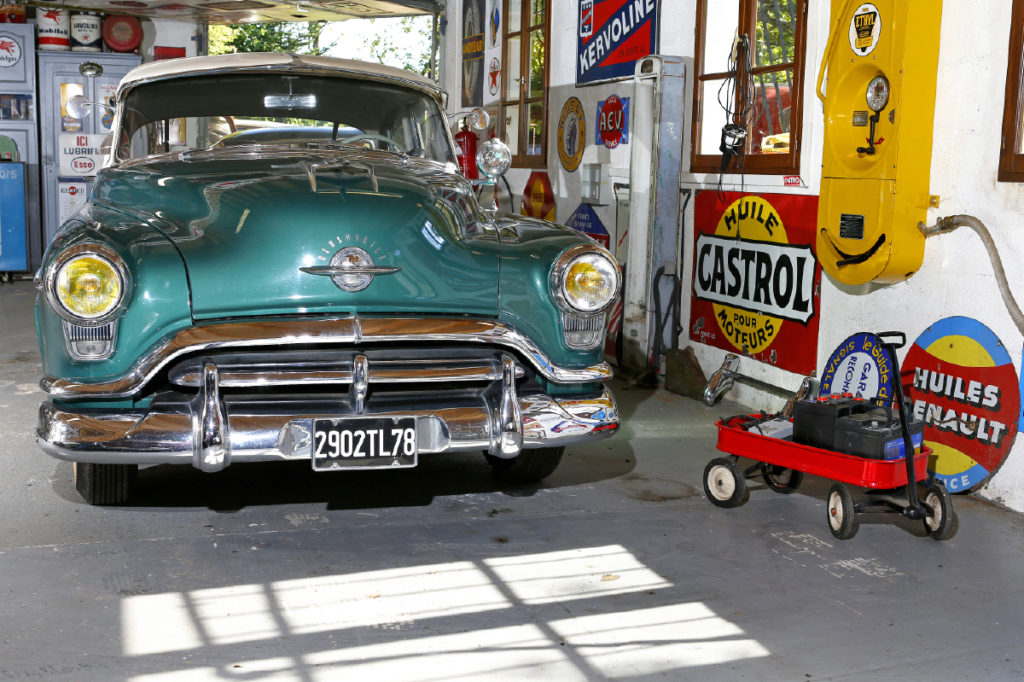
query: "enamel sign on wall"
587, 221
961, 382
859, 366
472, 53
538, 197
612, 128
572, 134
756, 280
612, 35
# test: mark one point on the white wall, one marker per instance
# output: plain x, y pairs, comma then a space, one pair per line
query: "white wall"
956, 277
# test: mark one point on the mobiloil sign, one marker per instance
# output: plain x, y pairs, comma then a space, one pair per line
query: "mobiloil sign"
755, 275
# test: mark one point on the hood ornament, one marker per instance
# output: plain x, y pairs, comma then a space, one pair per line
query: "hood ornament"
351, 269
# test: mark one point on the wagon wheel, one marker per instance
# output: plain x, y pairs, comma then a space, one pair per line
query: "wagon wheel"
842, 514
724, 484
939, 505
781, 479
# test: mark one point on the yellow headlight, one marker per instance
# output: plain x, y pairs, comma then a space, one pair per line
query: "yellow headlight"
590, 282
88, 286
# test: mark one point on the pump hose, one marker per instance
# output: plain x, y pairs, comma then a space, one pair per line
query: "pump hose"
950, 223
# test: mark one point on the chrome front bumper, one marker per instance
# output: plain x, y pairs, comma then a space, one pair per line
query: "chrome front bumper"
211, 431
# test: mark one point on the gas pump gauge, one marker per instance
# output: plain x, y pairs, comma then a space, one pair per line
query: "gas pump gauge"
878, 93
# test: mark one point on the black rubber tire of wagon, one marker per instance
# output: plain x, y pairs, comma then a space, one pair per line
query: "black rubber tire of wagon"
104, 484
529, 466
724, 484
940, 523
781, 479
842, 513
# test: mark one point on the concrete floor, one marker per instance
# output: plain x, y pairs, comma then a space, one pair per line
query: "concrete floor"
615, 568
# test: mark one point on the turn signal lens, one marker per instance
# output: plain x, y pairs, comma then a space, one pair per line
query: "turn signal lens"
88, 287
590, 282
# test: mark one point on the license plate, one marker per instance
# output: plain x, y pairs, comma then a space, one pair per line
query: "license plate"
364, 443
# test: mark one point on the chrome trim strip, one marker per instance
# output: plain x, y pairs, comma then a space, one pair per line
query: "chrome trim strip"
144, 437
326, 331
329, 271
384, 372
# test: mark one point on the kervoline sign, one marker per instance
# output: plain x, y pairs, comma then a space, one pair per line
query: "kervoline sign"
612, 36
755, 277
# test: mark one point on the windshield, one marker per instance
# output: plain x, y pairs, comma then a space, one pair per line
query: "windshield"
296, 110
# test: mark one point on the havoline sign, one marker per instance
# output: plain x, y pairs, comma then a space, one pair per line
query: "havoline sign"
612, 35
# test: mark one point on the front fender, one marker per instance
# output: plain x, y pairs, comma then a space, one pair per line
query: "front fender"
158, 299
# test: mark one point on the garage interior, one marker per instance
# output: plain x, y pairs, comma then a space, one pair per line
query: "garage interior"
614, 567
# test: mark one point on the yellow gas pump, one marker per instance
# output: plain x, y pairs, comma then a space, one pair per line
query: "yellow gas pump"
882, 59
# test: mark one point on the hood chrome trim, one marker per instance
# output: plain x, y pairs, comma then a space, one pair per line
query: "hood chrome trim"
350, 330
332, 271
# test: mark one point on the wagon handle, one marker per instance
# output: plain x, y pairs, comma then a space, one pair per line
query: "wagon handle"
899, 341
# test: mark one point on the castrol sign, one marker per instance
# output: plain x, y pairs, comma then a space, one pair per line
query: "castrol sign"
756, 279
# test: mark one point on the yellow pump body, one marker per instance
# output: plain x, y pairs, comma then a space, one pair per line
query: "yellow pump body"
874, 190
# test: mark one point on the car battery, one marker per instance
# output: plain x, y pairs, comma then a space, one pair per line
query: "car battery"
853, 425
815, 422
876, 434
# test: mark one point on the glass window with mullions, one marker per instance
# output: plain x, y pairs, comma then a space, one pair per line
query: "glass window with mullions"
525, 74
749, 61
1011, 151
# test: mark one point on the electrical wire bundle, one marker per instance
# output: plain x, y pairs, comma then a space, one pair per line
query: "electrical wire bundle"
736, 97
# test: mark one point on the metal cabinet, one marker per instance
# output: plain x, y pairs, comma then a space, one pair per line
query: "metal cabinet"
20, 236
71, 148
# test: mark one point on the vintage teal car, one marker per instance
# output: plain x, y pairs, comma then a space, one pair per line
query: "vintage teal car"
247, 284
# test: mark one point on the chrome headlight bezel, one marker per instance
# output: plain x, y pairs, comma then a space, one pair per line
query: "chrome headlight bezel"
99, 252
561, 267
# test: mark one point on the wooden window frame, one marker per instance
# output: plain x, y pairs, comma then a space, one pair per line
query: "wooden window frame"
1011, 161
763, 164
524, 160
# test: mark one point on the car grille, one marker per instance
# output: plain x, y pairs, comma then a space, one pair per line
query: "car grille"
313, 368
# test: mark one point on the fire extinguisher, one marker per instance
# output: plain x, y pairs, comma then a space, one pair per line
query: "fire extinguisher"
466, 139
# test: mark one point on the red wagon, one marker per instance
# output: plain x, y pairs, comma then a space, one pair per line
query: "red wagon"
891, 485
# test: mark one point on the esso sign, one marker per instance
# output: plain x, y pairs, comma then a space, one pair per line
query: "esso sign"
83, 165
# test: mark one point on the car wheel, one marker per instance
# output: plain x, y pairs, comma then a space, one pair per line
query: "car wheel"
529, 466
105, 483
939, 521
780, 479
724, 484
842, 514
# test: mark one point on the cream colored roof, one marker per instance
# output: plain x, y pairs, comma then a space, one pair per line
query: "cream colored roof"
256, 61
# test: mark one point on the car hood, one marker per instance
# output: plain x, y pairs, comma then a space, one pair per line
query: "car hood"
248, 222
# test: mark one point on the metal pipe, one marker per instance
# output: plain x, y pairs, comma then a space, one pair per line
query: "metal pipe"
950, 223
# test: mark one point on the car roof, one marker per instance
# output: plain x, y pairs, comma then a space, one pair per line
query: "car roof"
273, 61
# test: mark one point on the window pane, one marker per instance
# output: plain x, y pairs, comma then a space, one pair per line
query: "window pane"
514, 75
511, 122
712, 118
722, 20
515, 17
770, 114
536, 63
535, 133
537, 12
776, 26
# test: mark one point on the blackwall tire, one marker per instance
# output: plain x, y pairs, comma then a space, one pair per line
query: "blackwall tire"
103, 484
529, 466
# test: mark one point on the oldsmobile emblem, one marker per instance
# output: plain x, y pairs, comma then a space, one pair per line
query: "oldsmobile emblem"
351, 269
